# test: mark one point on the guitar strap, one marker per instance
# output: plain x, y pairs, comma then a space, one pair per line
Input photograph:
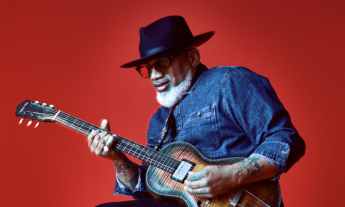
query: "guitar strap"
165, 130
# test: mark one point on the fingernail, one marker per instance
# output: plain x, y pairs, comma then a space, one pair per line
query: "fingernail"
190, 172
184, 188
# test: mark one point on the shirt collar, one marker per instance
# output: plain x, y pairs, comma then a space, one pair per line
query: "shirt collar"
201, 68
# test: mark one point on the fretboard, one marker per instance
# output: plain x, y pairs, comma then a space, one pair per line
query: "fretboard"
145, 154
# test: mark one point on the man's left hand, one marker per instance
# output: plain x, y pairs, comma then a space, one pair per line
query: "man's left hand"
212, 181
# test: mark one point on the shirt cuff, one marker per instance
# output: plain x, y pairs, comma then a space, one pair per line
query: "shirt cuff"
271, 162
139, 192
276, 153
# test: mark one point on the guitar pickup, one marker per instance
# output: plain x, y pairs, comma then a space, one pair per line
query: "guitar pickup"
182, 170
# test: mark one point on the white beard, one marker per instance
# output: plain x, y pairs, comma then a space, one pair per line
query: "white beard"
175, 93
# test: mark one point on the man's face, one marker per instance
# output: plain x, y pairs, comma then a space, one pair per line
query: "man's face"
178, 68
173, 83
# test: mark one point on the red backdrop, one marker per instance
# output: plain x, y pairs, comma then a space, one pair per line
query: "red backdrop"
68, 53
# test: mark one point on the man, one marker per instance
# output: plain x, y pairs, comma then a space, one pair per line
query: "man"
224, 112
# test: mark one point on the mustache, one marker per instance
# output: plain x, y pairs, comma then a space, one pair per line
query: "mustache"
160, 81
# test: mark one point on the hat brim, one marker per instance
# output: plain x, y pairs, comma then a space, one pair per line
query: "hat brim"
195, 41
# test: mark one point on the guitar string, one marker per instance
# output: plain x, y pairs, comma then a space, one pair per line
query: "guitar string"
171, 161
76, 121
145, 158
166, 168
160, 163
139, 154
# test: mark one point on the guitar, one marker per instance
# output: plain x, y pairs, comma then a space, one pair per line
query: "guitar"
169, 167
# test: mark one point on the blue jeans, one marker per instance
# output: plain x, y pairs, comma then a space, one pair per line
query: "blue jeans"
147, 203
143, 203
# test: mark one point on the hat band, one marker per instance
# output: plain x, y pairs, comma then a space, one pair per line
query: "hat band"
154, 50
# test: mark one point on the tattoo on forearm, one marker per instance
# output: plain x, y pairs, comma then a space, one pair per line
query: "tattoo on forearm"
250, 165
122, 169
122, 173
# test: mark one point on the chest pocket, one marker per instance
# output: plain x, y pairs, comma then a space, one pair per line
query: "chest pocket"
201, 129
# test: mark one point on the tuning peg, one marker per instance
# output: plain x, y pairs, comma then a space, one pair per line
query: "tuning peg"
37, 124
36, 102
29, 123
21, 121
51, 106
44, 104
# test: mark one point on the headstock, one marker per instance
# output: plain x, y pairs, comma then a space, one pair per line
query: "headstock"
36, 111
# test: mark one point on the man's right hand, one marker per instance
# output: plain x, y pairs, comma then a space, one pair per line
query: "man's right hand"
98, 140
126, 170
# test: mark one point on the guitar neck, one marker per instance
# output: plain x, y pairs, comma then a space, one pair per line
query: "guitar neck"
121, 144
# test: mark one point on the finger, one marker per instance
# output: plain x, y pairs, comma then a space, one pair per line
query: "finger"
92, 136
109, 143
105, 125
196, 175
196, 184
198, 191
96, 140
206, 195
99, 149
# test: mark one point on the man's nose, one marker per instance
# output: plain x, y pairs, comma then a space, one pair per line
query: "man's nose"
156, 74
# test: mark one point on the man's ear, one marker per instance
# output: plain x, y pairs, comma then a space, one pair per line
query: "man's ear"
194, 57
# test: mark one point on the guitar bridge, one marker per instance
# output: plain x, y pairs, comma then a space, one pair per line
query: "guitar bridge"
182, 170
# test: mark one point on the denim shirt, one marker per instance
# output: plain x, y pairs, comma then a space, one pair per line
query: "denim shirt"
227, 112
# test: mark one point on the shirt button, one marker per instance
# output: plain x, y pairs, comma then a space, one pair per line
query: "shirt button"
178, 129
159, 141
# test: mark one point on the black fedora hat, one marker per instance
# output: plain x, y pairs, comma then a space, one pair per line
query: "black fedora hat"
165, 36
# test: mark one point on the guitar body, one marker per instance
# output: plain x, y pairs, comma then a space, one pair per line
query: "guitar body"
161, 186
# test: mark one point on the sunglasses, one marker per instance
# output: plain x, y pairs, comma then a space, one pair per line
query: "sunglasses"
161, 65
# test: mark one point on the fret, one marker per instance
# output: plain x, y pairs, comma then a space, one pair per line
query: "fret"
129, 151
77, 124
73, 120
62, 118
124, 145
153, 159
88, 130
119, 145
148, 153
140, 153
81, 126
132, 153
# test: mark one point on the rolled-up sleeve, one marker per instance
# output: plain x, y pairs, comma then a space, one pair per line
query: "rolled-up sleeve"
254, 103
140, 191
